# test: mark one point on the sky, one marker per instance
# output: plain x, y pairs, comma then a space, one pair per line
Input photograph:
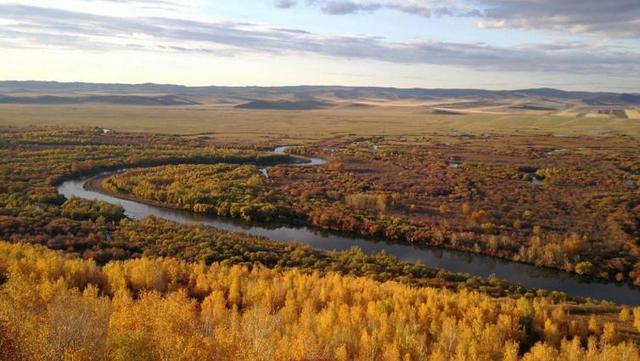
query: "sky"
492, 44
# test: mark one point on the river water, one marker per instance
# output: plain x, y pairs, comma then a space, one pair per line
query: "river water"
454, 261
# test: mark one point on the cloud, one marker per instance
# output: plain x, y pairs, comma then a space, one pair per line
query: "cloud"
37, 27
616, 18
613, 18
284, 4
173, 8
426, 8
347, 7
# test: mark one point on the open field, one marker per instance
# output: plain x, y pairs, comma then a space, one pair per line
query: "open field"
258, 126
633, 113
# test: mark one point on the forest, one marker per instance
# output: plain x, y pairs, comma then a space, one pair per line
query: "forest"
582, 213
547, 204
151, 289
226, 190
58, 307
33, 212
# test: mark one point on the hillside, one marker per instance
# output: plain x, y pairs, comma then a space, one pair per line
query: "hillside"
319, 92
354, 101
98, 99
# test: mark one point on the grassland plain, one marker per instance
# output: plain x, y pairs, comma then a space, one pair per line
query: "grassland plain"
265, 126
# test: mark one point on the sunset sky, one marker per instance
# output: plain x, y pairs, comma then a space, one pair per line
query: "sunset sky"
492, 44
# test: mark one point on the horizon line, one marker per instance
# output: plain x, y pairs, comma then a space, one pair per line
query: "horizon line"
318, 86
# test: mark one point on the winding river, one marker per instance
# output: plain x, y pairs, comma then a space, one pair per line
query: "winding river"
454, 261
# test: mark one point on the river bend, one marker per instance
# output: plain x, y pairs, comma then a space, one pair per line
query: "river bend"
450, 260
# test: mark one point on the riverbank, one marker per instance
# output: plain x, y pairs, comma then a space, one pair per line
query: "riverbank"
94, 184
530, 277
197, 189
417, 274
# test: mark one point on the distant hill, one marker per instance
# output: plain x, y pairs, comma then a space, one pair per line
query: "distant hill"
614, 99
99, 99
287, 97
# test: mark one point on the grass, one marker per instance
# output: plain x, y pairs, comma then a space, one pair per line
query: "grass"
267, 126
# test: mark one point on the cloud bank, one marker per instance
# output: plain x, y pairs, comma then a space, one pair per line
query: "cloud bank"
612, 18
37, 27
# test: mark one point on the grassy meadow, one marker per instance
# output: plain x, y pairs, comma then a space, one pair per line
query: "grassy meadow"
262, 126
